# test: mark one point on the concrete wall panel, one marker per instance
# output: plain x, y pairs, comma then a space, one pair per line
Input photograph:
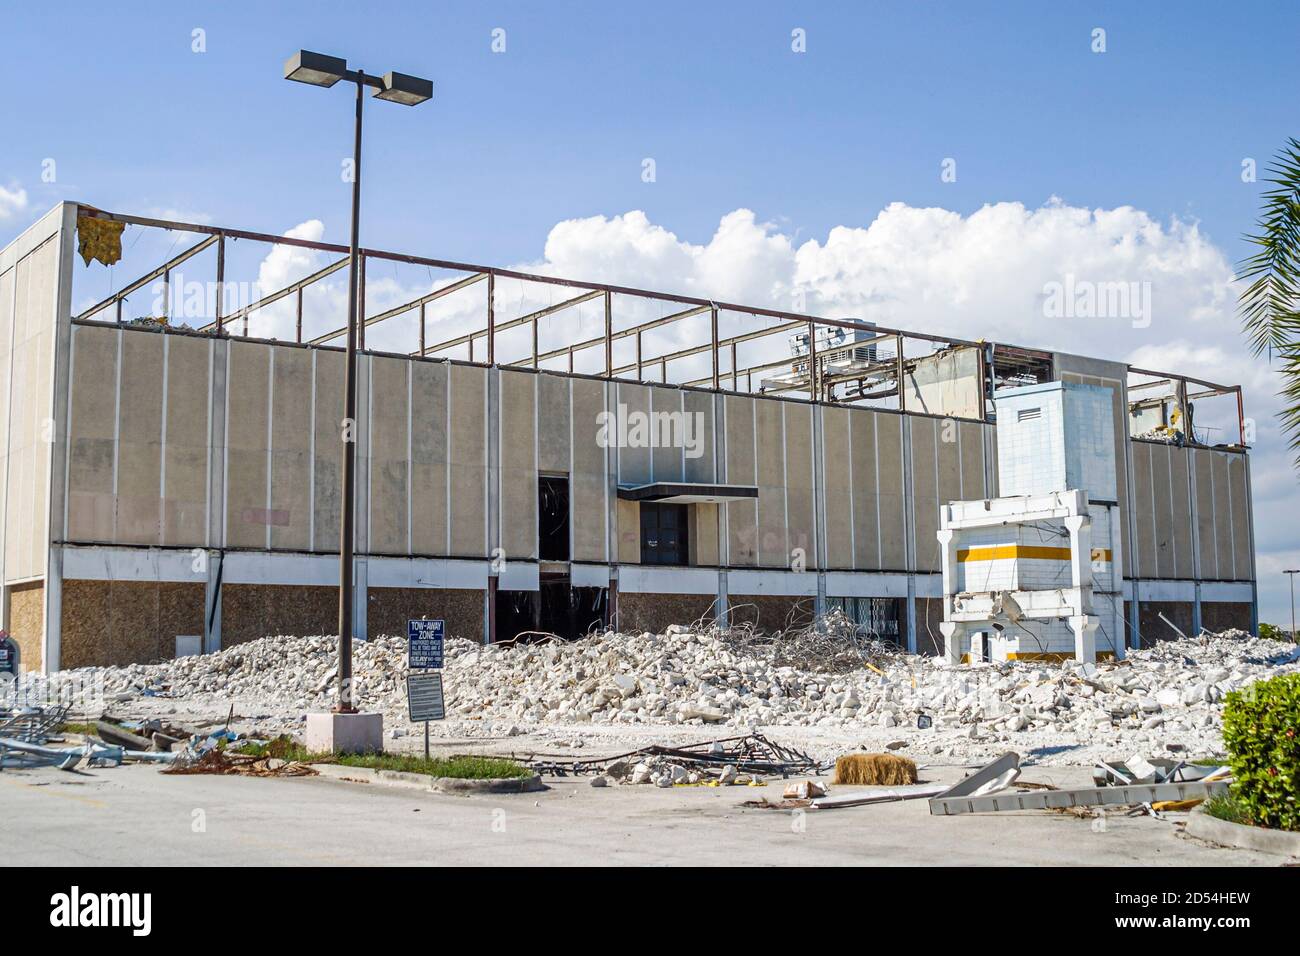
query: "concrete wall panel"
92, 428
772, 459
389, 450
925, 492
327, 455
139, 450
699, 408
519, 464
246, 439
801, 529
588, 491
863, 487
892, 503
554, 432
742, 469
185, 442
429, 458
468, 461
836, 458
289, 511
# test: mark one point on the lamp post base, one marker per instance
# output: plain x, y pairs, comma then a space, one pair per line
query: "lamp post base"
344, 733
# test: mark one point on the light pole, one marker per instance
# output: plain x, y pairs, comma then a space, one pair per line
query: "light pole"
1291, 574
318, 69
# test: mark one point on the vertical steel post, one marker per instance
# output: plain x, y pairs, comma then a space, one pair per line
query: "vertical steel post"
814, 392
361, 302
167, 292
902, 395
609, 336
298, 334
640, 375
734, 385
221, 278
348, 425
491, 317
422, 329
713, 324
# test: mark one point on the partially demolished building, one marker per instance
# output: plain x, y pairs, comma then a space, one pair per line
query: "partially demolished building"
535, 453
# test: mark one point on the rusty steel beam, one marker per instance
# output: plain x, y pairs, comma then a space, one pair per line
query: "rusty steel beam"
144, 280
405, 307
277, 296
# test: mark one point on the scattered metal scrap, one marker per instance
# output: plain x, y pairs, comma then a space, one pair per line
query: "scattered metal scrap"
750, 754
1138, 783
34, 724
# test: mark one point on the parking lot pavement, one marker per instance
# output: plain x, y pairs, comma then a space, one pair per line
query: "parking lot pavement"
134, 815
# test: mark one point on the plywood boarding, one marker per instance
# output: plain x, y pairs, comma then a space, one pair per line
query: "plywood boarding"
27, 623
185, 441
518, 488
836, 466
628, 517
247, 434
770, 440
127, 622
742, 469
389, 446
588, 487
468, 485
429, 521
704, 535
92, 428
28, 408
460, 608
801, 532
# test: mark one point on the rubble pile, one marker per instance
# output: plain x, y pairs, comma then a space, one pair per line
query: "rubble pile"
1166, 699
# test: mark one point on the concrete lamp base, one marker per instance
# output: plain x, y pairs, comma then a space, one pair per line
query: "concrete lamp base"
344, 733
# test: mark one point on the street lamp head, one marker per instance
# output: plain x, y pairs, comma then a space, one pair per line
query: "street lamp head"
315, 68
404, 89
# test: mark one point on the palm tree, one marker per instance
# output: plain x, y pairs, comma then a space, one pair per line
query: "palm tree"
1270, 303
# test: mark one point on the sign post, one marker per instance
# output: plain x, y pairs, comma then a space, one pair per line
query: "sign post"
424, 701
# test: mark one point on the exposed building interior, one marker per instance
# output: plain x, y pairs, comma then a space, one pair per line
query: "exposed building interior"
535, 454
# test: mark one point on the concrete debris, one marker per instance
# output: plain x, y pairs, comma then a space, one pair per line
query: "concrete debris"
1158, 701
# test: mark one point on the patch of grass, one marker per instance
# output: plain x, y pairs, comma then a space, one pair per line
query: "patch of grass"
465, 768
75, 728
283, 748
1226, 808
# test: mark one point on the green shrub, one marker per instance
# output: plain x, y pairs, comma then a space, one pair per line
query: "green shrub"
1261, 730
1273, 632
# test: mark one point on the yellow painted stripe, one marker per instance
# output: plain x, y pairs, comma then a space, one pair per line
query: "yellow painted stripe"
1044, 552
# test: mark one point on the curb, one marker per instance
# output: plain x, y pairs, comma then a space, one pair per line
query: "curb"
492, 785
1226, 833
420, 781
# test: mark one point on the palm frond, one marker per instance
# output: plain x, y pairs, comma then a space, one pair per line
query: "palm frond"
1270, 301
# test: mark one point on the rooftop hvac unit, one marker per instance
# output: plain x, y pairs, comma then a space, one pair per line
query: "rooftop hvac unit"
836, 339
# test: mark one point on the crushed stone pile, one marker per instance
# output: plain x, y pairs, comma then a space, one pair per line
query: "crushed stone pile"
1166, 699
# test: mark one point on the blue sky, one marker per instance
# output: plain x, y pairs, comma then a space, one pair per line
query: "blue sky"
557, 127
